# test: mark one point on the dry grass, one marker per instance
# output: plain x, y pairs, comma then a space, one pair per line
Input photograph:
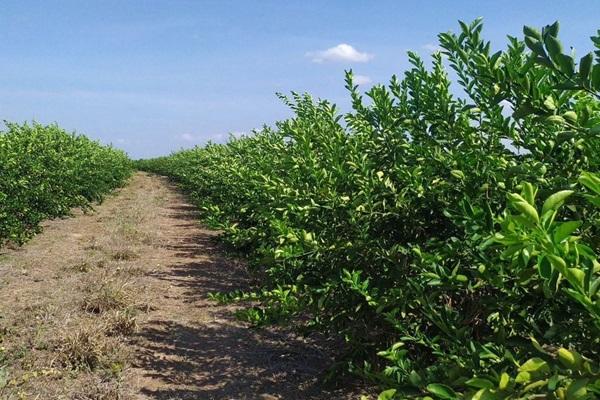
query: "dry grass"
125, 254
122, 322
69, 302
99, 390
130, 271
105, 296
129, 279
70, 299
93, 245
83, 348
84, 266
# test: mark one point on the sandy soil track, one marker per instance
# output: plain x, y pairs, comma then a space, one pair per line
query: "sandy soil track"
113, 304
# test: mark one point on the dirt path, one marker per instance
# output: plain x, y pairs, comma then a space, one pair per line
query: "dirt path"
113, 305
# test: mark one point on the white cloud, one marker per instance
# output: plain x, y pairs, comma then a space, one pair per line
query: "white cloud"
188, 137
341, 52
218, 137
432, 47
361, 80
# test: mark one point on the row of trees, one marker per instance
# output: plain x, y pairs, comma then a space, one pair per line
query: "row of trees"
45, 171
450, 240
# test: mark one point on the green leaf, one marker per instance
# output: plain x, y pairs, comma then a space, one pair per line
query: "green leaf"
535, 46
415, 378
570, 116
549, 103
534, 364
558, 263
441, 391
528, 192
565, 136
523, 377
576, 277
553, 381
585, 66
504, 381
594, 286
528, 210
458, 174
564, 230
553, 46
596, 77
585, 251
537, 345
544, 268
555, 119
523, 110
483, 394
566, 64
551, 30
590, 181
567, 86
532, 32
387, 394
556, 200
516, 198
545, 61
577, 389
595, 200
480, 383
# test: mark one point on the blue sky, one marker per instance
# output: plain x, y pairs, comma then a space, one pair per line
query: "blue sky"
155, 76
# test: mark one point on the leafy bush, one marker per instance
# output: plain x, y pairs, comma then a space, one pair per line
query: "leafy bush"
45, 171
413, 227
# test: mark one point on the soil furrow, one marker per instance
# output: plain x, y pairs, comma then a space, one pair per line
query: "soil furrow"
113, 304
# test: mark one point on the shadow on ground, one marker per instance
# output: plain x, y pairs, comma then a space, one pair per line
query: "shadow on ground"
227, 361
218, 357
202, 269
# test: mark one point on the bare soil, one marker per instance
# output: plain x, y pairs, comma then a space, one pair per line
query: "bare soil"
113, 304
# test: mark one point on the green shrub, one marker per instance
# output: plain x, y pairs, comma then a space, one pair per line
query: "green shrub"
411, 226
45, 171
